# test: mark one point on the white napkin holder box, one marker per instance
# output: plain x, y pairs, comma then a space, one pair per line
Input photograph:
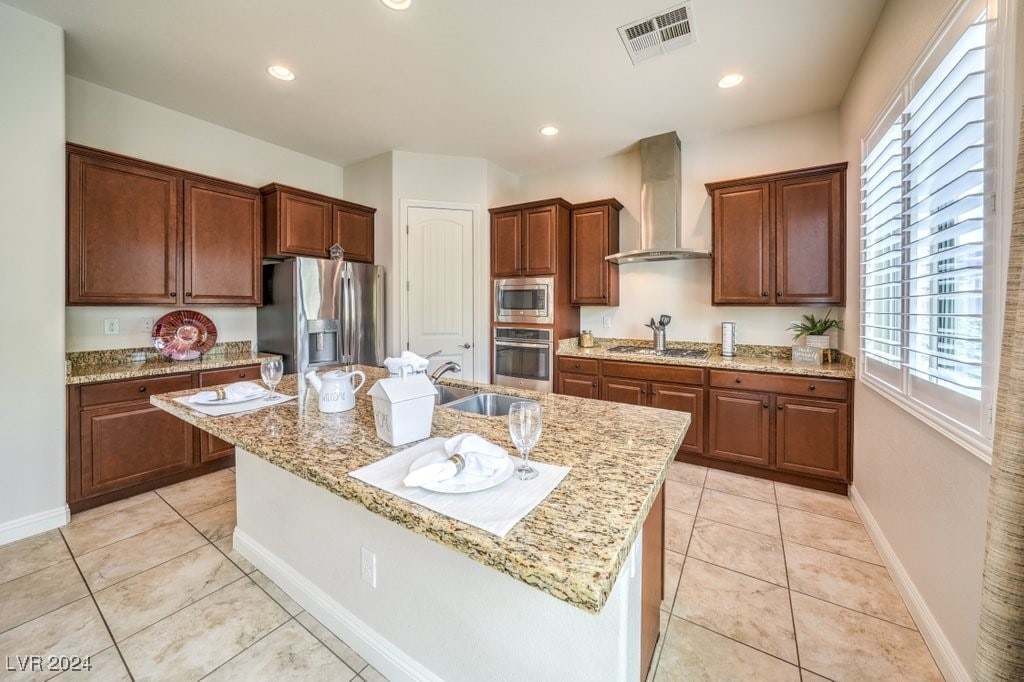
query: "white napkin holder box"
403, 408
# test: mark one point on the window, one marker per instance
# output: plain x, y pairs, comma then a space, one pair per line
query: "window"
927, 194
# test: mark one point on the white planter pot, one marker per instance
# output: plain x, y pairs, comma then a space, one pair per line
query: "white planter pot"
824, 341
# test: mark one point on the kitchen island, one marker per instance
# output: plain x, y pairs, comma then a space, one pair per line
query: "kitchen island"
556, 598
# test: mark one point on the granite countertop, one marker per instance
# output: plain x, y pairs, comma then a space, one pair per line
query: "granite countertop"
571, 546
89, 367
773, 359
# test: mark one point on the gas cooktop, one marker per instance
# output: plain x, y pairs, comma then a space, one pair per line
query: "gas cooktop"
667, 353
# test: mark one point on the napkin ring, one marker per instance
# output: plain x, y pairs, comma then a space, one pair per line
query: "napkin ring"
221, 394
460, 462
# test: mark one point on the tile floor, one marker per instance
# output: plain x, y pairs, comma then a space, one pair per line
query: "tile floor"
763, 581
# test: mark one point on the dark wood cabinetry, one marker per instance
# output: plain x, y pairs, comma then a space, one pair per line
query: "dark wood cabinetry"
812, 437
740, 426
525, 238
652, 582
211, 447
301, 223
595, 234
779, 239
119, 445
141, 233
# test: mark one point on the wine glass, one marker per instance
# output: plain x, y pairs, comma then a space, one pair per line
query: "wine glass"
524, 425
271, 371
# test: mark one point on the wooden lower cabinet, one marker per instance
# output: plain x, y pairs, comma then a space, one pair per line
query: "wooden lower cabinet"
740, 427
812, 437
629, 391
652, 582
211, 447
579, 385
683, 398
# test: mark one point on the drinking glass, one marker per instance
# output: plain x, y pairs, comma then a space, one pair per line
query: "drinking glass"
271, 371
524, 425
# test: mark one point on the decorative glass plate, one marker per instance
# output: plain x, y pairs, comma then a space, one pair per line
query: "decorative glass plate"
184, 335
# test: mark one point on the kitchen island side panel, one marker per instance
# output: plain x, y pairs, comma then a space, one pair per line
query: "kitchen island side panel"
435, 613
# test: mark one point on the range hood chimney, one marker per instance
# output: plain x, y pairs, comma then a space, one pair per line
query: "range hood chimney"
660, 223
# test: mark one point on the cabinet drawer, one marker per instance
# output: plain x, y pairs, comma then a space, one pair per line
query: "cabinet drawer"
133, 389
578, 365
837, 389
652, 372
215, 377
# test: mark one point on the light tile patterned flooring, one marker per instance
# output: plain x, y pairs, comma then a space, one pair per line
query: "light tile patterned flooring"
764, 581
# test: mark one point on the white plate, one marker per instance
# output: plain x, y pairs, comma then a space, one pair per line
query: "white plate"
230, 401
459, 484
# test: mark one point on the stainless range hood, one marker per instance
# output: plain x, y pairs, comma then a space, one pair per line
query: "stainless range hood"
660, 223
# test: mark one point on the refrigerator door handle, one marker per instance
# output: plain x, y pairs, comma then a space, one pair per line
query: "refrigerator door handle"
350, 306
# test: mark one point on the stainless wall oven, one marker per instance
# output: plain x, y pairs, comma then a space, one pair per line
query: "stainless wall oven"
524, 299
524, 358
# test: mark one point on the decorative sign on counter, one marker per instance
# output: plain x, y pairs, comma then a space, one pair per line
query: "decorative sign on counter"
809, 355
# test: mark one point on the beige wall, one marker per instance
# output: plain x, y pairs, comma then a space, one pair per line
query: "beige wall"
927, 495
682, 289
32, 229
107, 119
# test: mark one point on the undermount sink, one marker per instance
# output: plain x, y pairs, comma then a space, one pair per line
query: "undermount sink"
489, 404
446, 394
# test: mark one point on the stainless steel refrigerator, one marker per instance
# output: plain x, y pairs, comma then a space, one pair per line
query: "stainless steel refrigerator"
319, 312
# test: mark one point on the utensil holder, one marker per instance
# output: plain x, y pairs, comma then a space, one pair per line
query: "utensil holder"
659, 339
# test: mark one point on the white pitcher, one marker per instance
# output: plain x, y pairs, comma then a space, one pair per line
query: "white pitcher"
335, 389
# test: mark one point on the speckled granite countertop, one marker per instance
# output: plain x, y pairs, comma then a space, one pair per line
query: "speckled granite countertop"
748, 358
89, 367
571, 546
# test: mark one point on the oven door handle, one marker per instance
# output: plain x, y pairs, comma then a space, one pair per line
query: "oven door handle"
518, 344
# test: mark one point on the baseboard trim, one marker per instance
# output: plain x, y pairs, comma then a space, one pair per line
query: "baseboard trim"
949, 663
27, 526
378, 651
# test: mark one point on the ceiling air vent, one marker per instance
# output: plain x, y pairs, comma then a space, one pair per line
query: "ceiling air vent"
660, 33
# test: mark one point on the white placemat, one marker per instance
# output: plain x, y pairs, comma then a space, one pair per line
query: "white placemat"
495, 510
215, 410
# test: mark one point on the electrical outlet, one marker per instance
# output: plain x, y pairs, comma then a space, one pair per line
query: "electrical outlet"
111, 326
146, 324
607, 321
368, 566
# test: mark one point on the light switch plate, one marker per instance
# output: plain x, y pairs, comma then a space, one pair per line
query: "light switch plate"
368, 567
111, 326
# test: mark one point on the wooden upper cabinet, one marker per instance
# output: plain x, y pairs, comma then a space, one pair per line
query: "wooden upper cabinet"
301, 223
143, 233
809, 238
526, 238
506, 243
222, 244
779, 239
594, 234
123, 232
353, 232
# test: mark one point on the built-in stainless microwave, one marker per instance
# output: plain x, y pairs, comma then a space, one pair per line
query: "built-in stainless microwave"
524, 299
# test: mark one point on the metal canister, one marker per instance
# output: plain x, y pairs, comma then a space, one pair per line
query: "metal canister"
586, 339
728, 339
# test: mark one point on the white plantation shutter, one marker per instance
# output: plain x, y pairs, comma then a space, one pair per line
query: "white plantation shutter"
924, 224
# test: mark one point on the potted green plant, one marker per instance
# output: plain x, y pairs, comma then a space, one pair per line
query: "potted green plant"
816, 329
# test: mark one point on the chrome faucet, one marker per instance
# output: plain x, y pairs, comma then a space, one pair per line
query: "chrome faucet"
449, 366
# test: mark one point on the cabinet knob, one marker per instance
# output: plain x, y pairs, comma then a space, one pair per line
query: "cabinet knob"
764, 294
811, 387
764, 405
643, 391
189, 294
173, 294
142, 389
738, 381
241, 375
594, 384
778, 293
779, 408
576, 365
654, 392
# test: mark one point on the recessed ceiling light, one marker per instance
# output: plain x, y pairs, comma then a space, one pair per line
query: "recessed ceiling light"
397, 4
549, 131
281, 72
730, 80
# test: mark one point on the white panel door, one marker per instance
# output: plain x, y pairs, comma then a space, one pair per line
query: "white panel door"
440, 285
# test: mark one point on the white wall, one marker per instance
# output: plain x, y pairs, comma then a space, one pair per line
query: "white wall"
110, 120
32, 435
927, 495
682, 289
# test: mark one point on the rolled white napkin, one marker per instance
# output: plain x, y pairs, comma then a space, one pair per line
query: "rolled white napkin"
482, 460
394, 365
243, 390
417, 362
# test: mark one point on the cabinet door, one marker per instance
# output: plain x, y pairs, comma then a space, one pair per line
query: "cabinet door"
652, 582
594, 280
627, 391
506, 244
742, 248
740, 424
540, 240
304, 226
223, 234
683, 399
211, 447
353, 231
812, 437
123, 233
809, 249
129, 443
579, 385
